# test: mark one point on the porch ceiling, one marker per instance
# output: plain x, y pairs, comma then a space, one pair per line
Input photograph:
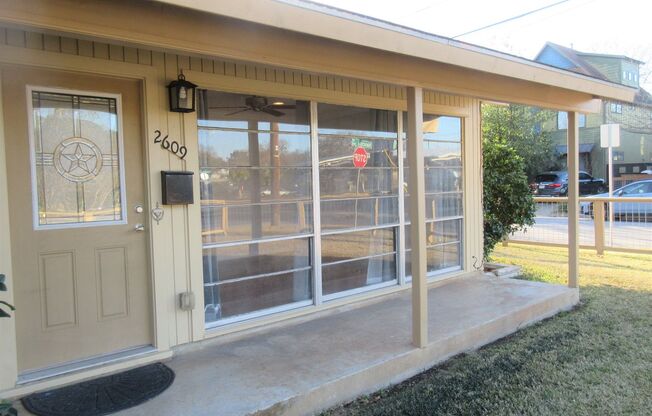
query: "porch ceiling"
278, 33
308, 17
307, 365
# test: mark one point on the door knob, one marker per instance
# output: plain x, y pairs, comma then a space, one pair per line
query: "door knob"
139, 227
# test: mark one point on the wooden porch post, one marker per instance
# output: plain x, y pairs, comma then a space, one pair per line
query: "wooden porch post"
573, 200
417, 216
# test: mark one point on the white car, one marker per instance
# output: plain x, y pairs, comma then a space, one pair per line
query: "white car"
638, 189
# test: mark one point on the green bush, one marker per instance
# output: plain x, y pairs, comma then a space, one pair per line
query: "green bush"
508, 203
3, 288
6, 407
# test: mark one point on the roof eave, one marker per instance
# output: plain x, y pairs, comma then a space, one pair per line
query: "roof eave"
318, 20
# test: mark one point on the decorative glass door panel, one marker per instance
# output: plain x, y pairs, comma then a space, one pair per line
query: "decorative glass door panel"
76, 155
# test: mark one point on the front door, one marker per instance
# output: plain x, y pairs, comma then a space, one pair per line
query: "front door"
78, 218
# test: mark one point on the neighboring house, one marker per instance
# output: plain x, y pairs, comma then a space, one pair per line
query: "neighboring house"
634, 154
297, 160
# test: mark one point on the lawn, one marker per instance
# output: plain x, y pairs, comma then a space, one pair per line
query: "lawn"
593, 360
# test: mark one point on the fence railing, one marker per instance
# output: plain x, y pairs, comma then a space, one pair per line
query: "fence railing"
618, 224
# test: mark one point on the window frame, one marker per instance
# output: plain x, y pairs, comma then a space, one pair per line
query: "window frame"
400, 282
434, 275
37, 226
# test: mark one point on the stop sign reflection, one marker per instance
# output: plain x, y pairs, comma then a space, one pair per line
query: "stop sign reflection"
360, 157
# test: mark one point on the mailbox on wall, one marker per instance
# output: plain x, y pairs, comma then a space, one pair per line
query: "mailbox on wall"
177, 187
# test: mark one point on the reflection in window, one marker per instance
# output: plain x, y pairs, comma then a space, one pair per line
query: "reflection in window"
255, 184
357, 194
442, 148
357, 259
77, 155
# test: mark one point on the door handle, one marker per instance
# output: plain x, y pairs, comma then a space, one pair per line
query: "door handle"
139, 227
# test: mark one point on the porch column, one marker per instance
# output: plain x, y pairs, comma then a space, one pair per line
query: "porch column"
417, 216
573, 199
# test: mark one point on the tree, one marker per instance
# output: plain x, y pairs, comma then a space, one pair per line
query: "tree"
520, 127
508, 203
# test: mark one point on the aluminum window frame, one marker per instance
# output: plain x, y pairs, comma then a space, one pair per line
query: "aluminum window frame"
314, 238
394, 226
309, 237
436, 275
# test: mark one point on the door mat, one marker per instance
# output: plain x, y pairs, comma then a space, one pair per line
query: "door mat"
104, 395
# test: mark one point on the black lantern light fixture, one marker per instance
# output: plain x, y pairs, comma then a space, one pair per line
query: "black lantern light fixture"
182, 95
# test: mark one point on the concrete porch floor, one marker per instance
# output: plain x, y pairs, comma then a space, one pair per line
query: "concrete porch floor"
305, 367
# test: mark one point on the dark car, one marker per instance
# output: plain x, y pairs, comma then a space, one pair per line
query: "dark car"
555, 183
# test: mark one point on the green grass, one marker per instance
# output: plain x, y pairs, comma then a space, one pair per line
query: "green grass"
593, 360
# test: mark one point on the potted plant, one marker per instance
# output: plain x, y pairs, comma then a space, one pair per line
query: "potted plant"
6, 407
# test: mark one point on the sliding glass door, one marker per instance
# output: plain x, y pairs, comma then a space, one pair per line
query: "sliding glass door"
358, 182
256, 204
265, 162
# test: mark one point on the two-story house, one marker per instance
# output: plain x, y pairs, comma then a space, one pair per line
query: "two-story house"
634, 154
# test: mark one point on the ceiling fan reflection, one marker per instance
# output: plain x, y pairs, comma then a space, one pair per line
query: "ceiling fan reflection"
260, 105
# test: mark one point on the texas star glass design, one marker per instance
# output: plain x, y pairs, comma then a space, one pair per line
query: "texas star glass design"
77, 154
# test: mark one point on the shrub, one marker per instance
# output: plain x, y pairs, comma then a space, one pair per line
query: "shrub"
508, 203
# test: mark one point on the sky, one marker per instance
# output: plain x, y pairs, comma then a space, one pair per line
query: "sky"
621, 27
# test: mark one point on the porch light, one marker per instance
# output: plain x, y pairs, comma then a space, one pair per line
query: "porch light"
182, 95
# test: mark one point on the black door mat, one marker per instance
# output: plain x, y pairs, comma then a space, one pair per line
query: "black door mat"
104, 395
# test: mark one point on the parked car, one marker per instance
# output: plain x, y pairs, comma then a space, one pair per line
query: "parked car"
555, 183
638, 189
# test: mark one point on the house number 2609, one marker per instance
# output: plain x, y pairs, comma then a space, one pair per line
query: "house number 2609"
170, 145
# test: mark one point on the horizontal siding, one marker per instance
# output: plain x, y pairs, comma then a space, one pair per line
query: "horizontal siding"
99, 50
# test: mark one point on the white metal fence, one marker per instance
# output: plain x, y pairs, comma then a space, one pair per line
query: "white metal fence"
622, 224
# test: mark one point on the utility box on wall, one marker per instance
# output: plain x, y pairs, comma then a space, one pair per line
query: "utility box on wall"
177, 187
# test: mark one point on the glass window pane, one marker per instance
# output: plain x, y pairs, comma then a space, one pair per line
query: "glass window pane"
350, 182
357, 121
255, 185
345, 266
224, 148
244, 296
439, 128
77, 154
358, 273
442, 154
252, 112
443, 180
337, 151
438, 232
233, 262
223, 223
357, 192
439, 206
438, 258
347, 246
361, 212
443, 241
442, 232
